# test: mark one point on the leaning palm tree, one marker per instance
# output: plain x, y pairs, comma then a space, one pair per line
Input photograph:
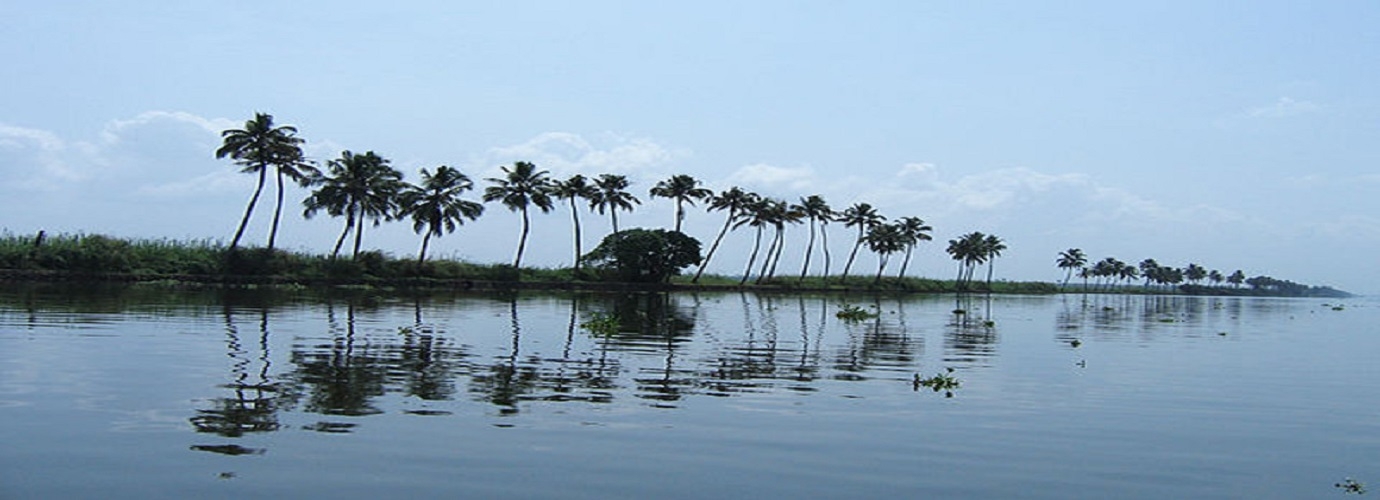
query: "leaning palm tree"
757, 215
992, 247
521, 187
780, 214
436, 207
736, 202
1070, 260
612, 195
913, 231
683, 189
863, 216
256, 147
294, 166
358, 187
885, 239
968, 251
819, 213
577, 187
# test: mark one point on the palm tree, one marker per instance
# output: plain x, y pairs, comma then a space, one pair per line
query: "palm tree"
779, 213
255, 147
819, 213
435, 205
682, 188
968, 251
521, 187
1150, 270
885, 239
1216, 277
1195, 273
913, 231
757, 215
992, 247
1236, 278
863, 216
358, 187
736, 202
1069, 260
577, 187
293, 166
613, 195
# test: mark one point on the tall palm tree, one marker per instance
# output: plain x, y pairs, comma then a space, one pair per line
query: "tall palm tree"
683, 189
521, 187
436, 207
291, 165
913, 231
1195, 273
577, 187
757, 215
885, 239
736, 202
992, 247
256, 147
968, 251
779, 213
862, 216
819, 213
358, 187
613, 195
1070, 260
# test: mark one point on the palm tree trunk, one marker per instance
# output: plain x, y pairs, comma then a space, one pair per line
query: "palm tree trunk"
781, 245
717, 239
809, 248
349, 224
613, 214
881, 264
905, 262
575, 216
421, 257
680, 214
757, 244
277, 213
824, 244
253, 200
990, 264
852, 255
522, 240
359, 236
766, 262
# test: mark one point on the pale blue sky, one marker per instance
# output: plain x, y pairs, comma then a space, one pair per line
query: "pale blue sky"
1236, 135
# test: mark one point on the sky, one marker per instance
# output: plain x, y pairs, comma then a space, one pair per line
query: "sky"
1234, 134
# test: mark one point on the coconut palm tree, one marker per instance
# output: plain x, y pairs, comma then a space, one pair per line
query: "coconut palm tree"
1195, 273
521, 187
779, 214
913, 231
1071, 260
757, 215
359, 187
1236, 278
736, 202
683, 189
968, 251
991, 248
613, 195
256, 147
294, 166
862, 216
885, 239
819, 213
577, 187
436, 207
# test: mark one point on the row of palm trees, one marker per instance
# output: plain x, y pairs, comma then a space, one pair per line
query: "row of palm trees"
365, 188
1111, 271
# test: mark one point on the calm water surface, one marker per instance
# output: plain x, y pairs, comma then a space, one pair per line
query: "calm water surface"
153, 393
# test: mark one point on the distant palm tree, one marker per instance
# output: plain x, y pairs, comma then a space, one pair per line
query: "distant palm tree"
1216, 277
1071, 260
862, 216
683, 189
577, 187
913, 231
357, 187
736, 202
885, 239
992, 247
819, 213
436, 207
968, 251
780, 214
256, 147
1236, 278
521, 187
757, 215
1195, 273
613, 195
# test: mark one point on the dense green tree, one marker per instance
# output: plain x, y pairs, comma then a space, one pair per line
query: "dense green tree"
646, 256
683, 189
736, 202
435, 205
256, 147
577, 187
612, 195
521, 187
358, 187
862, 216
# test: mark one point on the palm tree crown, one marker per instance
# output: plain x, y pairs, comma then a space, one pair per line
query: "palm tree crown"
521, 187
613, 196
358, 187
436, 207
683, 189
256, 147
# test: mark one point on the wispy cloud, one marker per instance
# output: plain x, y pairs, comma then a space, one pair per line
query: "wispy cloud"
565, 153
774, 179
1284, 107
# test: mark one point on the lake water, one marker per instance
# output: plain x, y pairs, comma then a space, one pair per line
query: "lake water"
145, 392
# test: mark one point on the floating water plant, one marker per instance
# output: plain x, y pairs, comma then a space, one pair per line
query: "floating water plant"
852, 313
989, 323
1350, 485
601, 324
940, 382
1075, 343
960, 312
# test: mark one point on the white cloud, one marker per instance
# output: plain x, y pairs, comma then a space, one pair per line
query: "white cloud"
761, 176
1284, 107
565, 153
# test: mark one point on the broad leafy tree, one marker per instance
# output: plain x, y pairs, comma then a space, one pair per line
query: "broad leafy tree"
643, 255
435, 205
521, 187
